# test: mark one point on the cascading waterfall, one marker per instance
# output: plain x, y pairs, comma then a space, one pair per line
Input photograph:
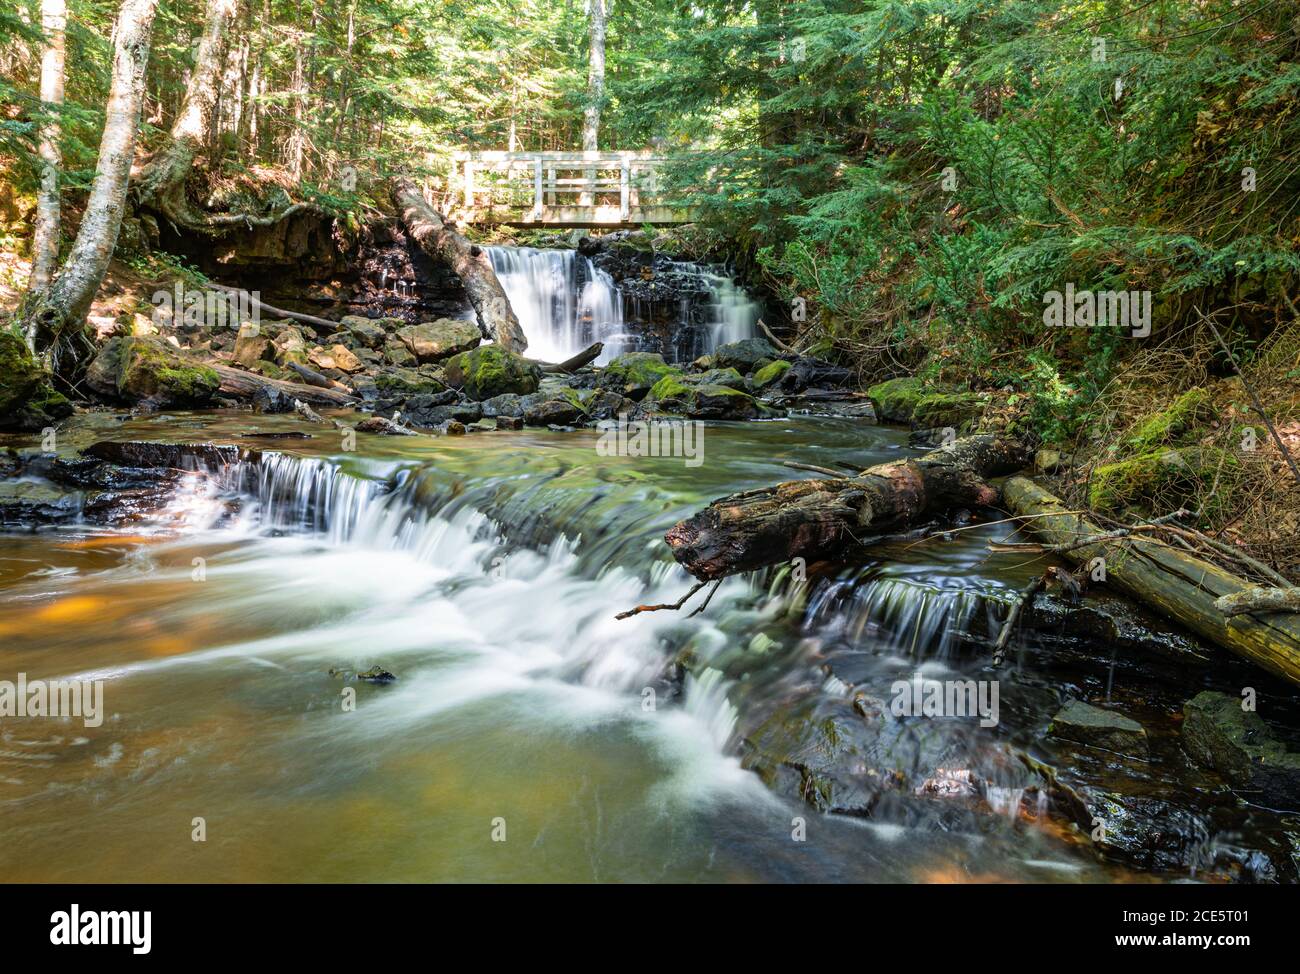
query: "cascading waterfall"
564, 303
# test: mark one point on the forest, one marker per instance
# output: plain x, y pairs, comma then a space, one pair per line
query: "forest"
710, 436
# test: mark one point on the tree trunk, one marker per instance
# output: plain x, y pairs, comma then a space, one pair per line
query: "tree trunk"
161, 185
496, 318
595, 89
61, 311
45, 240
1173, 582
815, 519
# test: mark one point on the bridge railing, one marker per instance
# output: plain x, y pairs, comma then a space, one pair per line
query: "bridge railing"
558, 188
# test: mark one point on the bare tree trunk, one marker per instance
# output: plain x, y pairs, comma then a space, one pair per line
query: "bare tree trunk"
61, 311
161, 185
45, 241
595, 89
428, 228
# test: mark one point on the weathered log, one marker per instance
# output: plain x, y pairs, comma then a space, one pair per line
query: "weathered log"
470, 262
314, 378
1172, 581
571, 365
822, 518
1257, 601
243, 385
306, 319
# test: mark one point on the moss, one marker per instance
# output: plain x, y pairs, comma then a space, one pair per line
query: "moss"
398, 382
147, 370
635, 372
1169, 476
490, 371
670, 388
1174, 426
896, 399
28, 400
954, 409
770, 373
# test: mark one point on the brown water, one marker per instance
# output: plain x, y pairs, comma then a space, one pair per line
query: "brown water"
484, 572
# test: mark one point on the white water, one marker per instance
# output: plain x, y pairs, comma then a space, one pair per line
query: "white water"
564, 303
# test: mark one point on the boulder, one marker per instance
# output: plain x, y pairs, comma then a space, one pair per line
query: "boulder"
717, 377
809, 373
434, 341
746, 355
772, 372
366, 331
895, 399
702, 401
290, 346
490, 371
398, 383
559, 409
345, 359
430, 413
251, 349
634, 374
128, 369
395, 352
1238, 744
28, 400
1083, 723
506, 404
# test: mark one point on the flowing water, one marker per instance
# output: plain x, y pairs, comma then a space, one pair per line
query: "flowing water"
564, 303
485, 573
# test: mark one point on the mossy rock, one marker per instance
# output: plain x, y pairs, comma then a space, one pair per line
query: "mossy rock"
1174, 426
770, 373
702, 401
746, 355
635, 373
490, 371
28, 401
134, 369
717, 377
953, 410
1167, 475
399, 382
896, 399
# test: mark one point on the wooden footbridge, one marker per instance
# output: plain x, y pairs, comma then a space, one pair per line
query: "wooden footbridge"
605, 190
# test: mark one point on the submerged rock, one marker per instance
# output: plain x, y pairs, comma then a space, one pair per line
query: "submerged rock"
1236, 743
1085, 724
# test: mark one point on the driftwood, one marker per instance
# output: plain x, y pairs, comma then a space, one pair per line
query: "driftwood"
1172, 581
244, 385
306, 319
470, 262
822, 518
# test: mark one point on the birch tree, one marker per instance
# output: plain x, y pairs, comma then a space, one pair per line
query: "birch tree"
45, 240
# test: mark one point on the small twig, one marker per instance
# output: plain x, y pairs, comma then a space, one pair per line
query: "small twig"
707, 599
1026, 596
1092, 539
674, 606
793, 465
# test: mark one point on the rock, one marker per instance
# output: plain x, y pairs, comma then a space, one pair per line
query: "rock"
430, 412
366, 331
559, 410
634, 374
437, 340
1237, 744
703, 401
717, 377
290, 346
509, 423
601, 404
382, 426
345, 360
1149, 833
396, 353
28, 399
770, 373
746, 355
1172, 475
1083, 723
29, 503
490, 371
175, 456
807, 372
376, 674
270, 400
146, 369
251, 349
1047, 461
453, 427
507, 404
398, 383
895, 399
953, 410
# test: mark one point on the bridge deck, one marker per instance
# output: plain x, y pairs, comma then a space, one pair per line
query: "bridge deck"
605, 190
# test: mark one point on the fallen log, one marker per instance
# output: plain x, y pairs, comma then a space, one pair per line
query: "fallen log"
470, 262
243, 385
816, 519
1256, 601
306, 319
1172, 581
571, 365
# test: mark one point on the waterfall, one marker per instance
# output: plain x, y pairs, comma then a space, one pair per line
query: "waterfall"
564, 303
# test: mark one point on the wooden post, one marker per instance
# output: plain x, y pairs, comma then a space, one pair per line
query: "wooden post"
550, 192
624, 186
537, 189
